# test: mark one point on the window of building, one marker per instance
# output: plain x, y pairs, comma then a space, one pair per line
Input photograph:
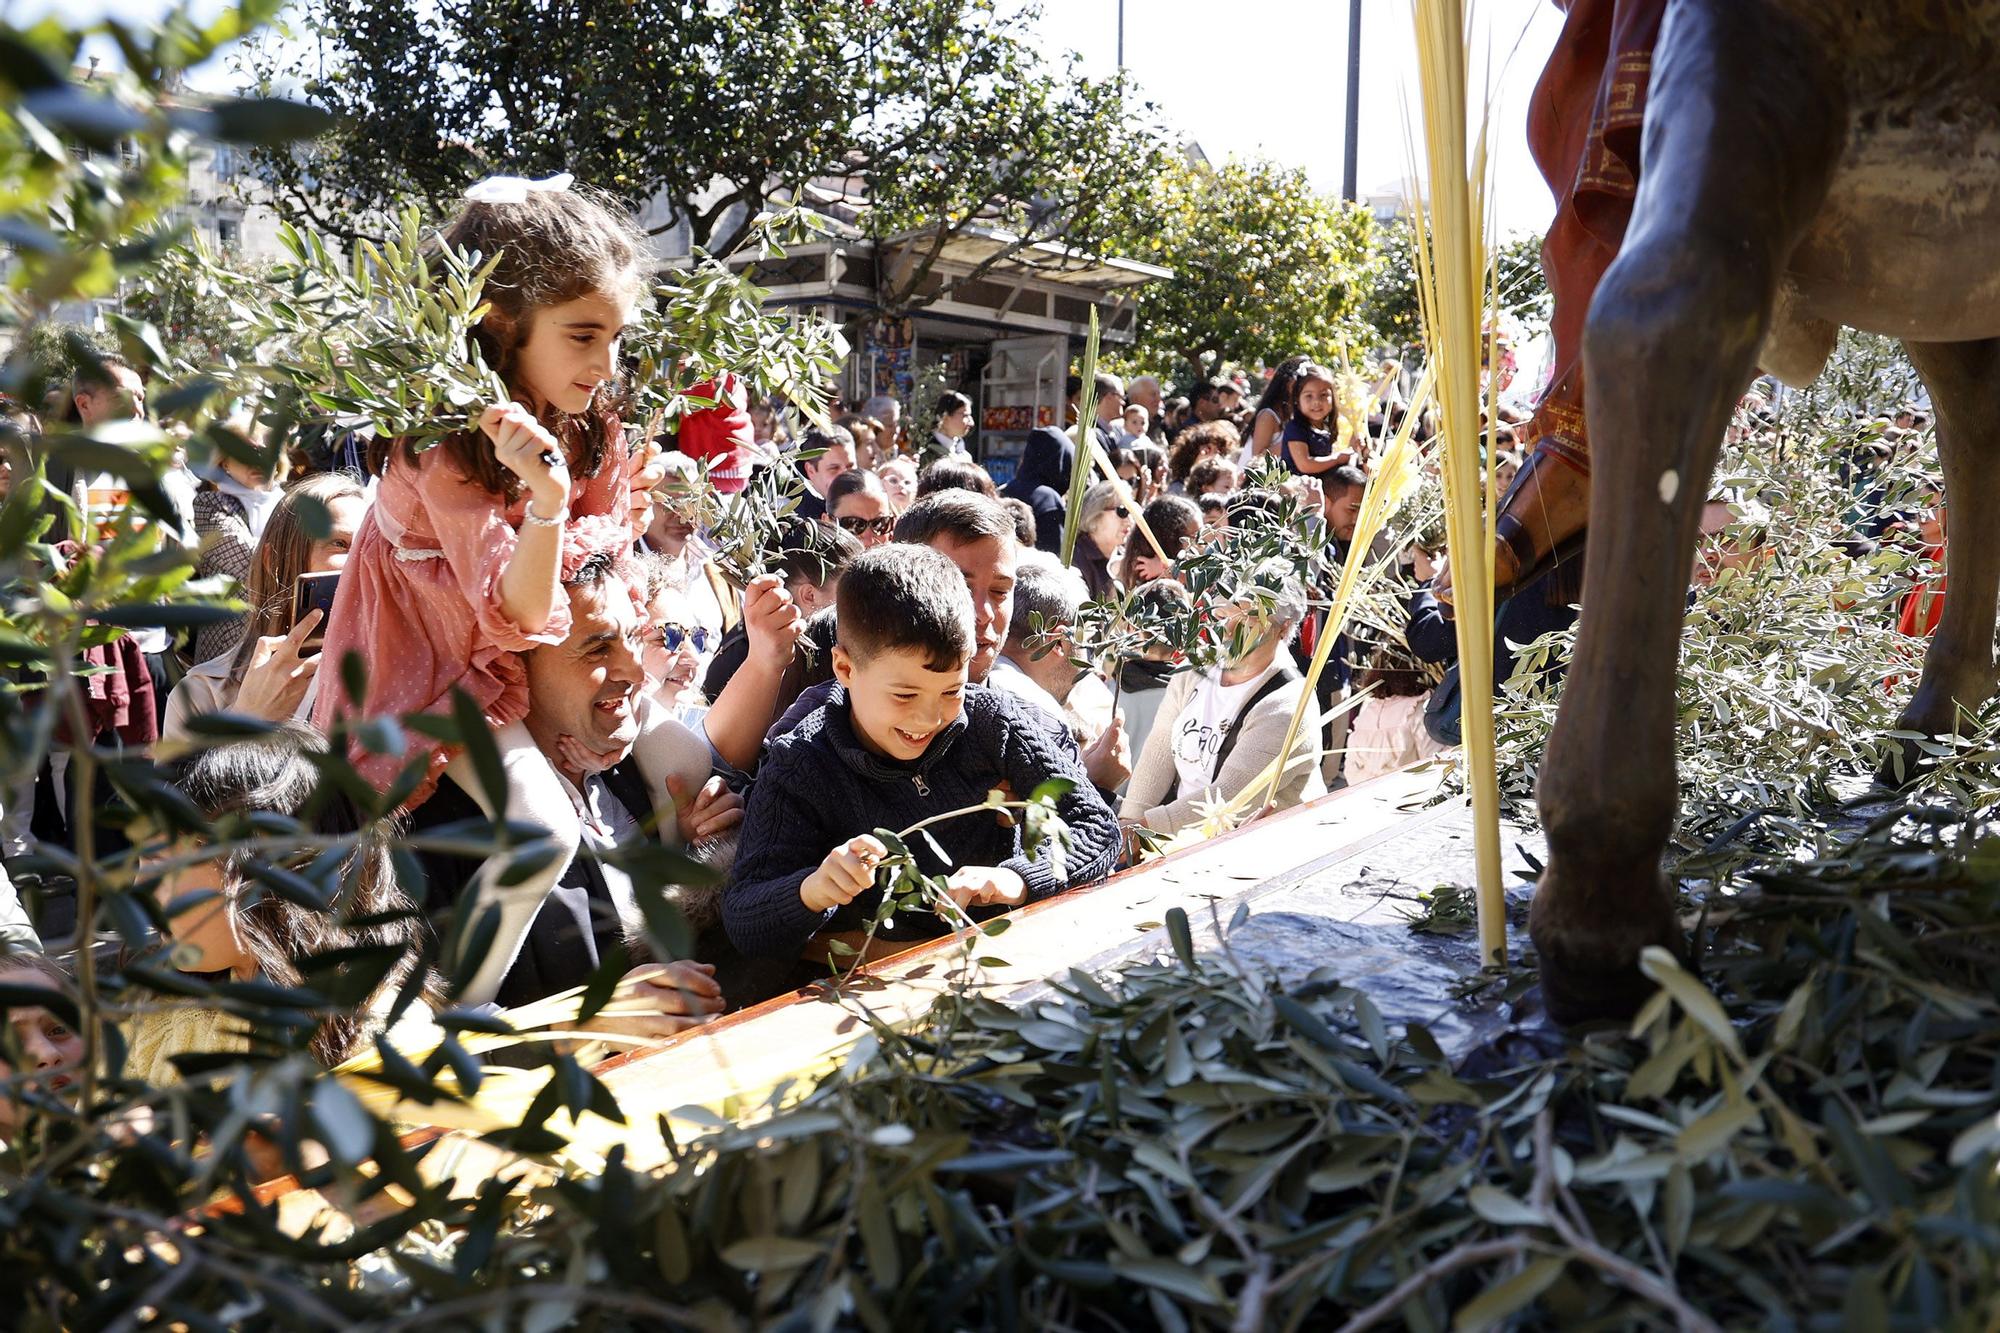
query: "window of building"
227, 232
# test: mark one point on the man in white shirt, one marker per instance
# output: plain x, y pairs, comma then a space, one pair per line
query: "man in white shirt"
112, 391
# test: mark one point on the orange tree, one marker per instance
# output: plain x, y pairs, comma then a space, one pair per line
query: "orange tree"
1264, 266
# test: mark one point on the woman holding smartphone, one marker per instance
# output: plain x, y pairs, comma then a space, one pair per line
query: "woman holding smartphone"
271, 673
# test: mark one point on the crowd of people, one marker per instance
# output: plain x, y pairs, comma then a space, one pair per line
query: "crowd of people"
905, 645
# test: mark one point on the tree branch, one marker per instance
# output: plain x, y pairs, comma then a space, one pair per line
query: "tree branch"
1473, 1252
1637, 1280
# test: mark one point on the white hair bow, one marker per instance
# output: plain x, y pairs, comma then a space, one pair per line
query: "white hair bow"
515, 189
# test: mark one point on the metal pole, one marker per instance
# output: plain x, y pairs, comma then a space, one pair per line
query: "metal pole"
1121, 34
1348, 190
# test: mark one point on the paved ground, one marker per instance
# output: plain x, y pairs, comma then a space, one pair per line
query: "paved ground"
1345, 913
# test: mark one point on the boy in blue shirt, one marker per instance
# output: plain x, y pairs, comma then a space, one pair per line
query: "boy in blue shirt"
904, 737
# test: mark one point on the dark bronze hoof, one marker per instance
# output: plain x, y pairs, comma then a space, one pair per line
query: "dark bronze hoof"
1588, 948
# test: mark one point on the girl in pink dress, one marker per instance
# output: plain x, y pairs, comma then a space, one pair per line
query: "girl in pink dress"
456, 569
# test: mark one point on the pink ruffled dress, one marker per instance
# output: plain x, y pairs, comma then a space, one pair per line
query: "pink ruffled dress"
419, 600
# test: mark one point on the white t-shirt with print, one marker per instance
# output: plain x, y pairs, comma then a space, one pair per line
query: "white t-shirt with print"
1203, 724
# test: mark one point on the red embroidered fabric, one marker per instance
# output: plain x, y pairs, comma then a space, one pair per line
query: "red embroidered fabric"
1583, 129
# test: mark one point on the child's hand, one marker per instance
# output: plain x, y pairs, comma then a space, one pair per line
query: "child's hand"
986, 886
649, 469
845, 875
526, 449
772, 620
585, 760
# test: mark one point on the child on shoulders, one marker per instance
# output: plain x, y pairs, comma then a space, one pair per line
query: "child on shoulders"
903, 737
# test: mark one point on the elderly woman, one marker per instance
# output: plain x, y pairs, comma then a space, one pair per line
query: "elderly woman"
1219, 730
1103, 527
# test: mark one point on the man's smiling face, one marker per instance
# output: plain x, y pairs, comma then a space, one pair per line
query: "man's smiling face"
588, 687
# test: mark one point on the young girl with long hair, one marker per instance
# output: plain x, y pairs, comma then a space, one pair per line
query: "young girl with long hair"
455, 572
1274, 409
1388, 728
1307, 440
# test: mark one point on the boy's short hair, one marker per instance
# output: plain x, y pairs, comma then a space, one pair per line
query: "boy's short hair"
815, 552
951, 401
962, 516
899, 598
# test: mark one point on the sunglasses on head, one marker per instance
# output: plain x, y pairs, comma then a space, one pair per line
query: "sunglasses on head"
673, 636
881, 527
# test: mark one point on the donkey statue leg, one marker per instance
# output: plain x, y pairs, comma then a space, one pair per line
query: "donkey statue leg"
1745, 126
1964, 380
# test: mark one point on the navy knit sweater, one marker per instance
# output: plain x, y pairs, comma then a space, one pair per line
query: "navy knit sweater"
818, 787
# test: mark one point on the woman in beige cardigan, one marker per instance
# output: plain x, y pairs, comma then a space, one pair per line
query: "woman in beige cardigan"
1218, 730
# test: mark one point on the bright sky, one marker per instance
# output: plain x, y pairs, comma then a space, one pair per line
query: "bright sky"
1268, 77
1254, 77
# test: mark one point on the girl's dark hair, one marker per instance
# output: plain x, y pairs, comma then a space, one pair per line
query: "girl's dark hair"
1218, 436
243, 785
1277, 398
1395, 673
1307, 373
854, 481
1203, 475
1024, 520
1175, 520
553, 246
801, 548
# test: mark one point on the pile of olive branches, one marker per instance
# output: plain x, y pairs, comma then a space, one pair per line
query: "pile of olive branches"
1793, 671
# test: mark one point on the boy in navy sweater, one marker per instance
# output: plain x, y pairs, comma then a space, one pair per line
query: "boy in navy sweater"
902, 738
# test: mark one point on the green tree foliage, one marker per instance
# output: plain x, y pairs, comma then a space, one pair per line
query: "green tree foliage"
1265, 266
944, 110
1391, 303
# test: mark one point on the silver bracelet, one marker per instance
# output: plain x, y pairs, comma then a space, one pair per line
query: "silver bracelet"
535, 520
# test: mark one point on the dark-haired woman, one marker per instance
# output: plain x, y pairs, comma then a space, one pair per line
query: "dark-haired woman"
1274, 409
222, 920
231, 511
270, 673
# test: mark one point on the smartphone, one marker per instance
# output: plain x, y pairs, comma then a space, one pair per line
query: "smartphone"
315, 591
